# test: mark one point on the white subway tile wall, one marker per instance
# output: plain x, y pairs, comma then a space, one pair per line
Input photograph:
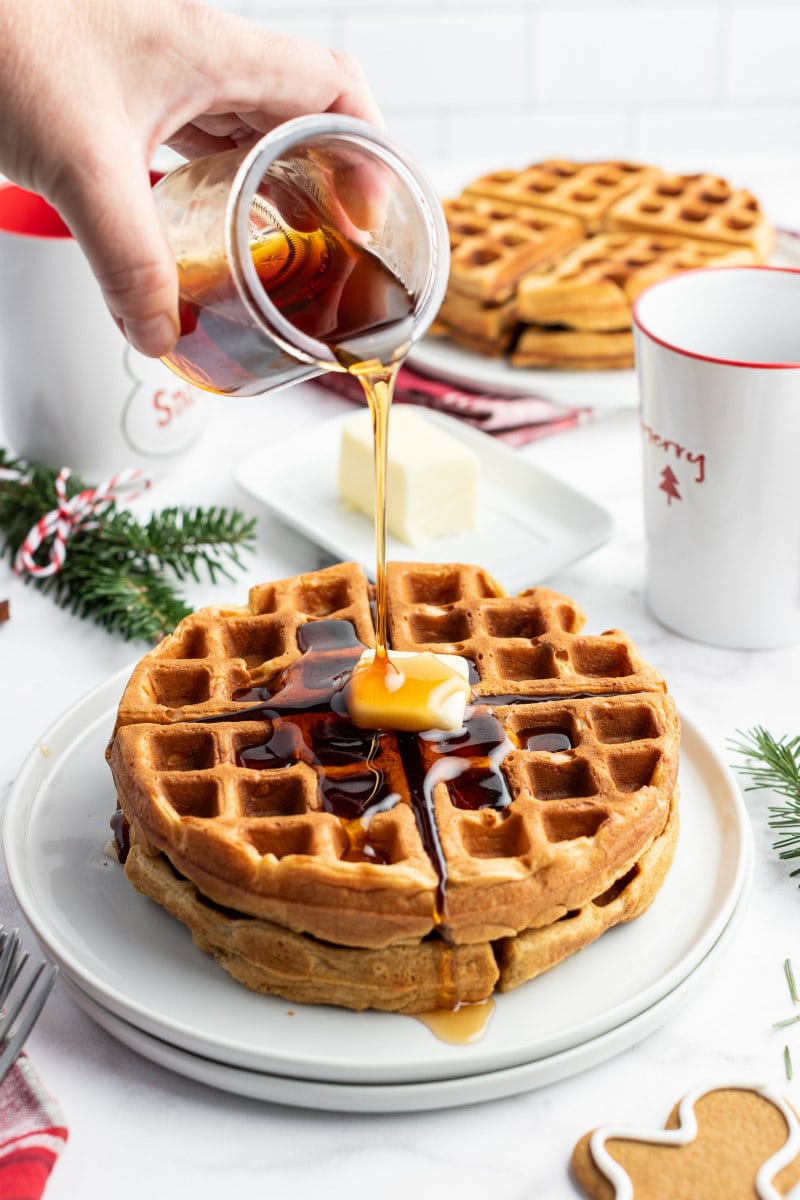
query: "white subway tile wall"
466, 80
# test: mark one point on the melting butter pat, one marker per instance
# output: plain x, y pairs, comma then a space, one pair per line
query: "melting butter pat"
431, 477
408, 690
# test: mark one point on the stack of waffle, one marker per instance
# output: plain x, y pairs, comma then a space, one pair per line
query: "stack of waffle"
547, 261
405, 872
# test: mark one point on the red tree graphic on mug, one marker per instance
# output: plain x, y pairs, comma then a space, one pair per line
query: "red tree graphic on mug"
669, 485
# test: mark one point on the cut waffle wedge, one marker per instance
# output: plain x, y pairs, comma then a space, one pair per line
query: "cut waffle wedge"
575, 349
639, 225
491, 325
399, 871
585, 190
700, 207
492, 244
593, 286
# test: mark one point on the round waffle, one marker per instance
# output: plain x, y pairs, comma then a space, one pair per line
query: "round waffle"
547, 260
391, 870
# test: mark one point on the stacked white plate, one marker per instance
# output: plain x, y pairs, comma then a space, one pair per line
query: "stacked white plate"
136, 971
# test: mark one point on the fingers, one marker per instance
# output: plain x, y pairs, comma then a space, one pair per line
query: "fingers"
277, 77
356, 98
110, 211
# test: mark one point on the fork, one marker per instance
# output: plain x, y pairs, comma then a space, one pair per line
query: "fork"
19, 1012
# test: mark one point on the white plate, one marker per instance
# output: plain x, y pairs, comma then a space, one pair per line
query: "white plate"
529, 523
139, 963
404, 1097
600, 390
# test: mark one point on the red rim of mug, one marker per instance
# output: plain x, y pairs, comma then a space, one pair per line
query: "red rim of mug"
28, 214
710, 358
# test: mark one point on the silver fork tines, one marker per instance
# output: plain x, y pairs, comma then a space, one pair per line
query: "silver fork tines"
20, 1006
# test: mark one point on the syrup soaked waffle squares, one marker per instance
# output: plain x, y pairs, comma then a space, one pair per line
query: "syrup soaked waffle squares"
700, 207
394, 870
582, 190
194, 671
594, 285
492, 244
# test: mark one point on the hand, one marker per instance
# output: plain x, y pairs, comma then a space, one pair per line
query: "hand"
90, 88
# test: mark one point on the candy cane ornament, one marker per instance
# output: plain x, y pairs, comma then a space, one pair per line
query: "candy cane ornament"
70, 515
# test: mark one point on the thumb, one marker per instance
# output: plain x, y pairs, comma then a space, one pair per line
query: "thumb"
111, 213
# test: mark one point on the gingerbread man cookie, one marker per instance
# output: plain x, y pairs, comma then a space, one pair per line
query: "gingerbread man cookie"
728, 1143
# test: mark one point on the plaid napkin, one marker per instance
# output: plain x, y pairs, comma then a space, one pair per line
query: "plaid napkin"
516, 420
32, 1133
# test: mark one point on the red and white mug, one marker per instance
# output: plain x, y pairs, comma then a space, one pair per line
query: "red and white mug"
73, 392
718, 364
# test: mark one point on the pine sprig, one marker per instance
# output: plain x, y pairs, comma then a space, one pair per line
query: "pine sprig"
774, 764
185, 540
114, 572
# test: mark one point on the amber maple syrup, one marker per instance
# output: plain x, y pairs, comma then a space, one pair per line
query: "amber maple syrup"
330, 288
338, 293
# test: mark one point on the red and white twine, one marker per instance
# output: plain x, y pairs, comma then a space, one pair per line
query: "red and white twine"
69, 515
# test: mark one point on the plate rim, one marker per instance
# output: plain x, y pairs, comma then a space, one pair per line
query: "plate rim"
415, 1095
432, 356
444, 360
34, 775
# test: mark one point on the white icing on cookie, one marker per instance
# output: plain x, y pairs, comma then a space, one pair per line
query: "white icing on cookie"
687, 1132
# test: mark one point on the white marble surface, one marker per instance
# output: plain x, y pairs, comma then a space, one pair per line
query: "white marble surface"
137, 1129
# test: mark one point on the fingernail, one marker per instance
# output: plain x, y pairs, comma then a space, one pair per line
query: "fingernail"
154, 336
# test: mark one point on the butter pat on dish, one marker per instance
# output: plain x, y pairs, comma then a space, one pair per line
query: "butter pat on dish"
431, 478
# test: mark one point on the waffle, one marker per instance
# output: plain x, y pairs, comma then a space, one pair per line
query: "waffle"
395, 871
594, 285
491, 325
701, 207
640, 224
492, 244
575, 349
582, 190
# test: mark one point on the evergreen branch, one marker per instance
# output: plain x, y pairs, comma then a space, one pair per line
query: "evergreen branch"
113, 571
774, 764
183, 539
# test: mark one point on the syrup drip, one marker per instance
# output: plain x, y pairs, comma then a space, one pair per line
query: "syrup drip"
347, 760
121, 831
378, 387
462, 1025
379, 679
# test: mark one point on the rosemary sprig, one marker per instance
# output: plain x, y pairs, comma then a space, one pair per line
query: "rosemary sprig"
115, 569
786, 1021
774, 763
788, 971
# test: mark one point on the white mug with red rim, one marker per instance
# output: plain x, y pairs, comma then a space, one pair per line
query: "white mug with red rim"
73, 392
718, 365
